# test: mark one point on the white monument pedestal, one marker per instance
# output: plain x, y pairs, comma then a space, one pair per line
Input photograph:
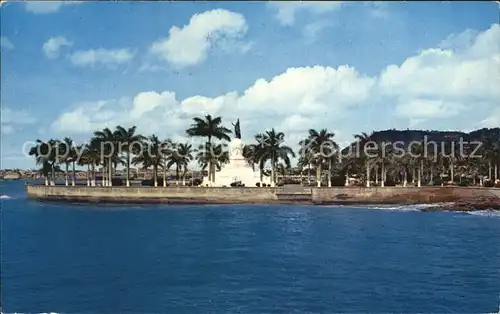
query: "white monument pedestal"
236, 170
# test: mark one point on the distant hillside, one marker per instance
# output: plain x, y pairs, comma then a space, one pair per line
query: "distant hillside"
408, 136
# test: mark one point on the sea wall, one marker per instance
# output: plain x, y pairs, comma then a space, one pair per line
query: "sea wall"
398, 194
194, 195
151, 194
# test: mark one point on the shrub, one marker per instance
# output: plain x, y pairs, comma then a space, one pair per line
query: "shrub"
390, 182
197, 181
488, 184
463, 183
338, 181
117, 182
257, 184
280, 183
436, 182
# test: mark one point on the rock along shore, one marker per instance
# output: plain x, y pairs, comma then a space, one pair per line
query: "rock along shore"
469, 204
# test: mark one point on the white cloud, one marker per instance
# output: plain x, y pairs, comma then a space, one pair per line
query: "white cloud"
318, 96
7, 129
421, 109
52, 46
5, 43
190, 44
493, 120
436, 83
101, 56
44, 7
10, 116
312, 30
286, 11
11, 120
443, 82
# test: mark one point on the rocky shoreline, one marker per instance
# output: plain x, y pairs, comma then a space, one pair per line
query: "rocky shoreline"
468, 204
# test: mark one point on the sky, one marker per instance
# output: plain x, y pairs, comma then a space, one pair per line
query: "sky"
70, 68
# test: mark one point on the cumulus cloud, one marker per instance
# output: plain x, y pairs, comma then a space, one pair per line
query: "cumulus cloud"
190, 44
443, 82
318, 96
52, 46
102, 56
286, 11
5, 43
44, 7
437, 83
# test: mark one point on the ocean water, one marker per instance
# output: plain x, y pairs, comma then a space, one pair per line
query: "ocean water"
244, 259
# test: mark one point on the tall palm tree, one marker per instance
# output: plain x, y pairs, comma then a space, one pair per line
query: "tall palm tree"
107, 140
322, 147
216, 159
151, 157
167, 149
210, 128
185, 152
491, 155
92, 157
273, 150
361, 141
126, 139
41, 153
419, 160
68, 156
54, 158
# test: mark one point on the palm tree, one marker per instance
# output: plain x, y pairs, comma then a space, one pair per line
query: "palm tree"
41, 152
53, 158
68, 156
151, 157
361, 140
91, 157
491, 155
210, 128
167, 149
107, 140
126, 139
322, 147
273, 150
382, 158
185, 152
217, 158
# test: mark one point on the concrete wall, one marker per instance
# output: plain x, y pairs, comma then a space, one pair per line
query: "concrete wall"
254, 194
399, 194
151, 194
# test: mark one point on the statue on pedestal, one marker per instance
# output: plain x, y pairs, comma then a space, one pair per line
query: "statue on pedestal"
237, 130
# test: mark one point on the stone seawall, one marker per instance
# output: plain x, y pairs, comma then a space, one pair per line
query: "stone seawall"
400, 195
291, 194
148, 195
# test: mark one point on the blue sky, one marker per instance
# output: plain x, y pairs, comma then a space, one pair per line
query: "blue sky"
349, 67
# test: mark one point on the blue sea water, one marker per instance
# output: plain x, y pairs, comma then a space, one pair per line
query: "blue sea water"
244, 259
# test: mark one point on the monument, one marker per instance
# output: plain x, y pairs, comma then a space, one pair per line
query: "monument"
237, 170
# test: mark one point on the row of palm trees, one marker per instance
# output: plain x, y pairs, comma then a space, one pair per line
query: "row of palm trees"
383, 164
108, 149
319, 155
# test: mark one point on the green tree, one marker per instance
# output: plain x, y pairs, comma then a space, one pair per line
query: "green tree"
209, 128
